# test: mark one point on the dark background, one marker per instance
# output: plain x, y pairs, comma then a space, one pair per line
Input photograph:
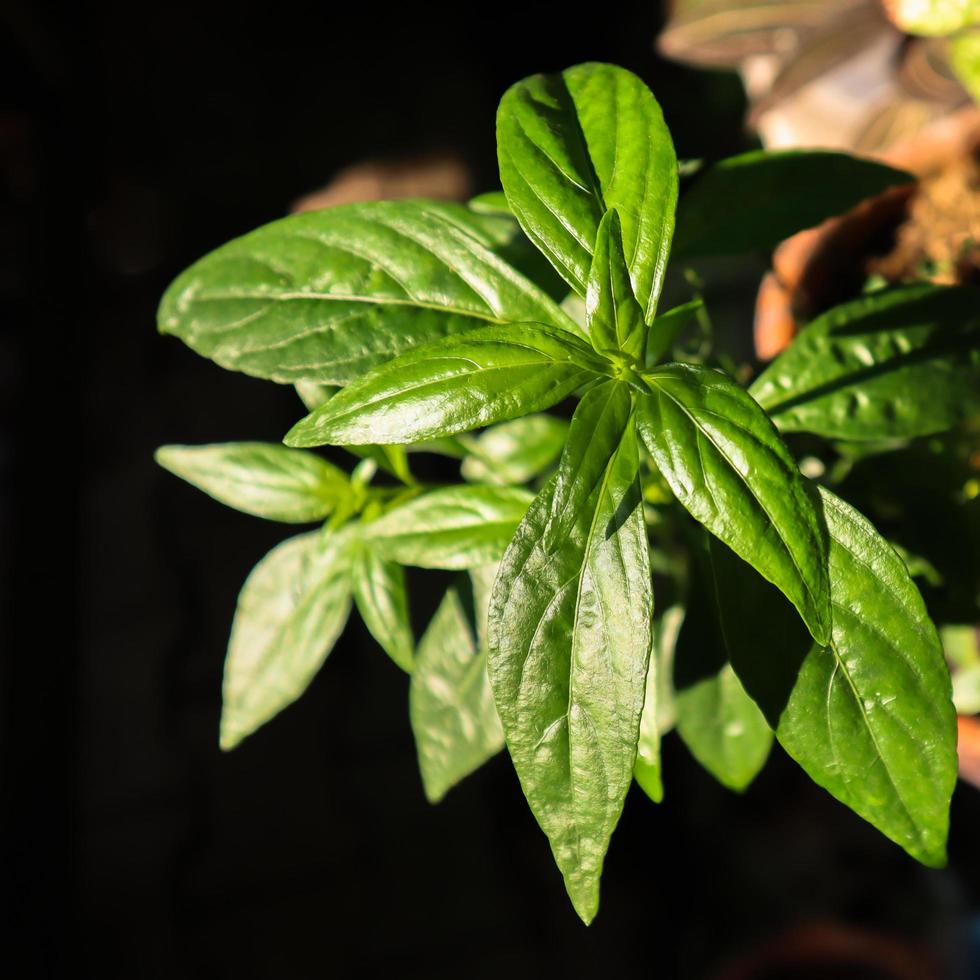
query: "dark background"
133, 138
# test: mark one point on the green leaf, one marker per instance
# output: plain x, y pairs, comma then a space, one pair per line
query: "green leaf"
756, 199
327, 295
457, 527
895, 364
721, 725
666, 328
490, 202
570, 637
658, 704
453, 385
450, 704
260, 478
515, 452
614, 317
313, 394
290, 613
869, 716
575, 145
379, 592
727, 465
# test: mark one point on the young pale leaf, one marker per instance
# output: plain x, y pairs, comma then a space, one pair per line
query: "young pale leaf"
894, 364
726, 464
453, 385
613, 315
260, 478
450, 704
570, 637
659, 711
515, 452
379, 592
574, 145
458, 527
290, 612
721, 725
868, 717
731, 207
325, 296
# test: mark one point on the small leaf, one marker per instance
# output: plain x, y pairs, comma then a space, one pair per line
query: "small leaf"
658, 705
327, 295
755, 200
290, 613
515, 452
868, 717
727, 465
454, 385
458, 527
570, 637
895, 364
260, 478
450, 704
574, 145
313, 394
613, 315
379, 592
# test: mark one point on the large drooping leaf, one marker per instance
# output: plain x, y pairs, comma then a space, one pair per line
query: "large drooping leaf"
575, 145
869, 716
894, 364
615, 319
453, 385
755, 200
516, 451
721, 725
290, 612
658, 704
456, 527
327, 295
381, 599
450, 703
260, 478
570, 636
727, 465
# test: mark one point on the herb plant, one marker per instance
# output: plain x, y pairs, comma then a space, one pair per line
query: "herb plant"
406, 326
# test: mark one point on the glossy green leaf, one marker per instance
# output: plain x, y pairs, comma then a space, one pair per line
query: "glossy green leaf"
382, 601
570, 637
574, 145
658, 715
755, 200
721, 725
291, 611
454, 385
727, 465
327, 295
260, 478
869, 716
450, 703
895, 364
458, 527
515, 452
615, 319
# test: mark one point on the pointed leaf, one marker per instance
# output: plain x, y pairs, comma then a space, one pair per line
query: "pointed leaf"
755, 200
290, 613
260, 478
574, 145
327, 295
570, 636
458, 527
894, 364
612, 312
515, 452
727, 465
379, 592
454, 385
450, 704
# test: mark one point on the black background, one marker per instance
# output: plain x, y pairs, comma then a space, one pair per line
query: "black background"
133, 138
